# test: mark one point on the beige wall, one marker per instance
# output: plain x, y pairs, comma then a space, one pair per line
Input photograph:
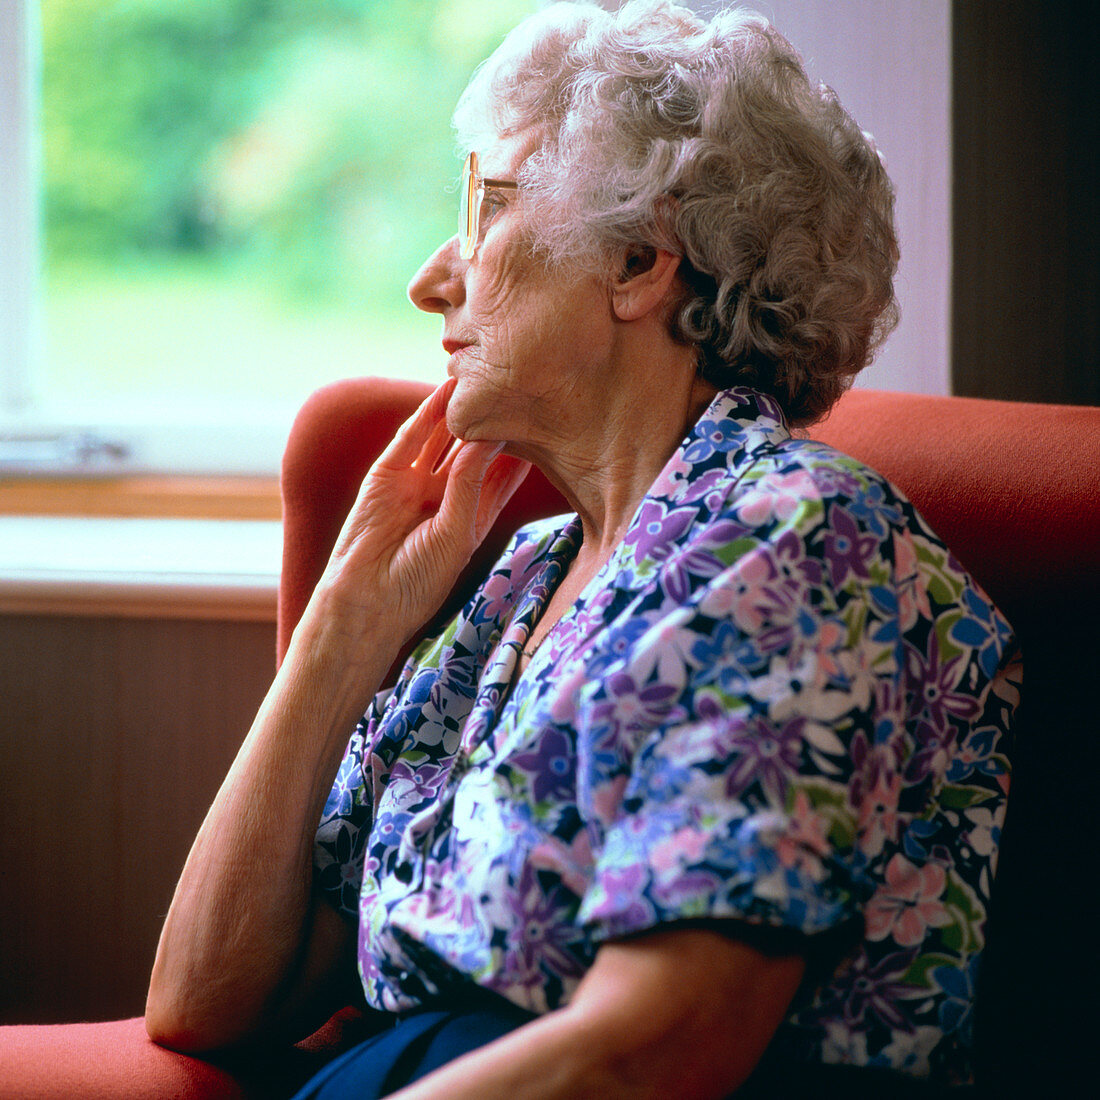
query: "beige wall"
114, 736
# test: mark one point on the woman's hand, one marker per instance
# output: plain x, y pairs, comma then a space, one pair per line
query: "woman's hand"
246, 946
424, 507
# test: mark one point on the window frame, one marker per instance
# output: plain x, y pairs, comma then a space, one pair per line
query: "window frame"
19, 215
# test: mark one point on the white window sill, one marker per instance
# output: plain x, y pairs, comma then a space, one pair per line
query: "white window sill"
141, 568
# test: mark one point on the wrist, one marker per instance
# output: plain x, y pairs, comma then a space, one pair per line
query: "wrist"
341, 655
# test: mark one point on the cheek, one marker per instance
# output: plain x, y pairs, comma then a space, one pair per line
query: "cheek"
496, 301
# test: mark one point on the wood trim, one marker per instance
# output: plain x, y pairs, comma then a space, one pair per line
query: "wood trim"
152, 496
243, 603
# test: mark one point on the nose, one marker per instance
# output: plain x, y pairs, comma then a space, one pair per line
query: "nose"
439, 284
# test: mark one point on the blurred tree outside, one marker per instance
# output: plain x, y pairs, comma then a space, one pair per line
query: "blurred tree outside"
236, 192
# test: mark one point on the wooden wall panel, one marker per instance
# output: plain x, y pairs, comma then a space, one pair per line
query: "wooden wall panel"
1026, 223
114, 736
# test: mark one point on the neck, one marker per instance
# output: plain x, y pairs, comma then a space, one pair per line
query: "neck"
611, 445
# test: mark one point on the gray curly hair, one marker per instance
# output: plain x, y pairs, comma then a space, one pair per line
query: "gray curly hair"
706, 139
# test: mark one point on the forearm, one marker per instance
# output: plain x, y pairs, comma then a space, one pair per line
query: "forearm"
239, 924
240, 933
684, 1013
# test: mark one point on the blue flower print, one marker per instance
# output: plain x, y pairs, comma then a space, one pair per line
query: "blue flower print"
780, 702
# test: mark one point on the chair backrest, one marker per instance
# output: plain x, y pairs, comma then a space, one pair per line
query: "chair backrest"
1014, 489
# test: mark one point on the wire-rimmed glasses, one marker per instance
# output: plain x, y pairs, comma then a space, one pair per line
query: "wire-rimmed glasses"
471, 200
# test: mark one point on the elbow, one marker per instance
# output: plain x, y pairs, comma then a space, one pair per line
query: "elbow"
175, 1035
179, 1021
171, 1028
177, 1032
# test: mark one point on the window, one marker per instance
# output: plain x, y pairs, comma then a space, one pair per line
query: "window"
215, 208
234, 194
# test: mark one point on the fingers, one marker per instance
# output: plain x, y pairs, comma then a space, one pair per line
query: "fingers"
439, 450
502, 479
480, 483
428, 422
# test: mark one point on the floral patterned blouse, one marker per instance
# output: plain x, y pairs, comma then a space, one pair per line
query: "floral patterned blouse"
782, 702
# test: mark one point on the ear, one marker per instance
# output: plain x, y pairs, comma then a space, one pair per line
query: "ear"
643, 283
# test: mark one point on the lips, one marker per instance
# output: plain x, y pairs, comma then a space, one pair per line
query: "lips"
450, 346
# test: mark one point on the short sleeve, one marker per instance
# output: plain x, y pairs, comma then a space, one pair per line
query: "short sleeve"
747, 805
699, 838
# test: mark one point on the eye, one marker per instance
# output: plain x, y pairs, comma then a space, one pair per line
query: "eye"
491, 205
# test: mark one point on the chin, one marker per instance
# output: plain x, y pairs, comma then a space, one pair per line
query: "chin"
458, 422
464, 420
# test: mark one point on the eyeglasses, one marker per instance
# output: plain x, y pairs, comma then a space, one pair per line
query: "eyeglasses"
471, 201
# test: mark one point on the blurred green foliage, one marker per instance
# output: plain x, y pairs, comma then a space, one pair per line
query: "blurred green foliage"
302, 141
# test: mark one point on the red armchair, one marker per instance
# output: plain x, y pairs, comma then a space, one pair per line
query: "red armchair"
1014, 489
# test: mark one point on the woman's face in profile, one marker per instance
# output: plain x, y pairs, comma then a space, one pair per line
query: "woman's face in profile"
522, 335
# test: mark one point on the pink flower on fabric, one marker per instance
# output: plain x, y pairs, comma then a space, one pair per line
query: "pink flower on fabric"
912, 595
607, 798
909, 903
746, 594
777, 496
807, 832
684, 848
879, 819
573, 862
673, 478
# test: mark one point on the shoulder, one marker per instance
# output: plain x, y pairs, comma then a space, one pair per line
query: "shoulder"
794, 490
796, 473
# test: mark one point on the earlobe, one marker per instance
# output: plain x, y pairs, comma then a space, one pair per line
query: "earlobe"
644, 281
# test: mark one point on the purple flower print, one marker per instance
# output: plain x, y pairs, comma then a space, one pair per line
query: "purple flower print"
656, 530
935, 683
548, 767
685, 570
847, 550
620, 897
761, 752
628, 708
877, 991
411, 786
837, 481
792, 561
547, 936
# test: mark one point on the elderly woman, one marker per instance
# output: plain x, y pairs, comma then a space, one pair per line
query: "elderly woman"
705, 779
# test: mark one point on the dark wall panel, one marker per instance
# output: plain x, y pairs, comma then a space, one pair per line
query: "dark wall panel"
114, 737
1026, 248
